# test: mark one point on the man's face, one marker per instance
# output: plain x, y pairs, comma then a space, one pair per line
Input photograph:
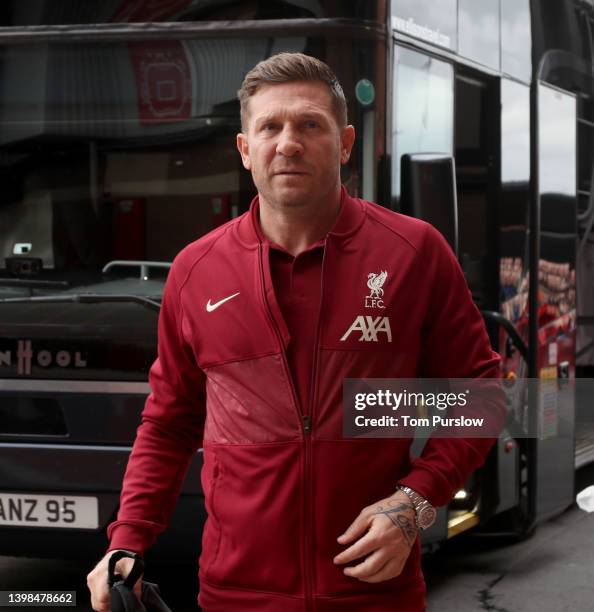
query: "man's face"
293, 145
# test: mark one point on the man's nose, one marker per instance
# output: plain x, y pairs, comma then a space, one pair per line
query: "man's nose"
289, 142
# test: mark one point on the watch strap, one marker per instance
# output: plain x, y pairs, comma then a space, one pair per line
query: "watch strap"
418, 502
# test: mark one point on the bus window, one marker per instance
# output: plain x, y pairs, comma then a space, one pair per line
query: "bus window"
433, 21
125, 150
514, 205
515, 133
557, 187
423, 108
557, 140
478, 31
516, 39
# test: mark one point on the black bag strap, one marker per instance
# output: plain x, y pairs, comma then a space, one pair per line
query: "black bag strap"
135, 573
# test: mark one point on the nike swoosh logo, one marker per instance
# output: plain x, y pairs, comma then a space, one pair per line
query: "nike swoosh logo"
210, 307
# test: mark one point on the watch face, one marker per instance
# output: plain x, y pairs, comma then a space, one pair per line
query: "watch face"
426, 517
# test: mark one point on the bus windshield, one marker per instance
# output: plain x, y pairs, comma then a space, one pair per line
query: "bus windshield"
125, 151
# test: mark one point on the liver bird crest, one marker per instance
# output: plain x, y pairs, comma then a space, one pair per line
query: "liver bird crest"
375, 282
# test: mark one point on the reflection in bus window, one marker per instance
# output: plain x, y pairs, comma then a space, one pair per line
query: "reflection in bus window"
514, 207
516, 39
515, 132
557, 187
557, 142
126, 150
423, 108
478, 31
433, 21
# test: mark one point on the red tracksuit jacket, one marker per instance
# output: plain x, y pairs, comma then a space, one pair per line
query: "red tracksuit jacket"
280, 481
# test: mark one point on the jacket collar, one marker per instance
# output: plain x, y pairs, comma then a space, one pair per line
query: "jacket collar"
350, 218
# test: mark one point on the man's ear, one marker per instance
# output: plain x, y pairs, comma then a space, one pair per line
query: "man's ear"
244, 151
347, 140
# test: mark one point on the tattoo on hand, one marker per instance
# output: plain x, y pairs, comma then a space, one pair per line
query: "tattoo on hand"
401, 520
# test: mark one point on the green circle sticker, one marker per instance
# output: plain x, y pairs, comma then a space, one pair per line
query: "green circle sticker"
365, 92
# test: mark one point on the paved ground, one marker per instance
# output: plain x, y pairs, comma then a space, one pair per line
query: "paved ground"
551, 572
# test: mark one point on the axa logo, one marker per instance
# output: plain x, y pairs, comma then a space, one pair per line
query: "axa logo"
370, 328
375, 283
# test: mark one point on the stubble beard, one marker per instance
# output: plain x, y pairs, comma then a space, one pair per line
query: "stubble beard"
299, 198
280, 199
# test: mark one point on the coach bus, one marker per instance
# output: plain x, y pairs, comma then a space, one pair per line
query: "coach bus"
117, 128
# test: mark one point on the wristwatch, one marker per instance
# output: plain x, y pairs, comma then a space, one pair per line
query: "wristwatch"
424, 511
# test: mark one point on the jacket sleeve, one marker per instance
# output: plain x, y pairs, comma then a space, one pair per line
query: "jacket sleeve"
170, 432
455, 344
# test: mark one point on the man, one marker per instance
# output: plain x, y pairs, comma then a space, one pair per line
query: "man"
257, 331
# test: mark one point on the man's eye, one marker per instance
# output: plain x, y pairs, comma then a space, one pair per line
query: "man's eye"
311, 124
268, 127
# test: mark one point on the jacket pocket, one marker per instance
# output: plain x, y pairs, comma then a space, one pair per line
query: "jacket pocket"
257, 505
212, 532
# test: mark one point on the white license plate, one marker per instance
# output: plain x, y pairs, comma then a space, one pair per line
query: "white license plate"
64, 511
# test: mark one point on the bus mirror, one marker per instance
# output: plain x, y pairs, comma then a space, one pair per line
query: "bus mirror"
428, 192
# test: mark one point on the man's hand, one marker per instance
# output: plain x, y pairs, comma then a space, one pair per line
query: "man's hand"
385, 533
99, 587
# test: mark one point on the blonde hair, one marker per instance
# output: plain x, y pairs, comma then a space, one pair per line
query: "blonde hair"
288, 67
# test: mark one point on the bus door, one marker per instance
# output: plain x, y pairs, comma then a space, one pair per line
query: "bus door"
488, 240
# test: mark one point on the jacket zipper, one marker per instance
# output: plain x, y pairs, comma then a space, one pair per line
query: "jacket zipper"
309, 496
306, 425
306, 421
